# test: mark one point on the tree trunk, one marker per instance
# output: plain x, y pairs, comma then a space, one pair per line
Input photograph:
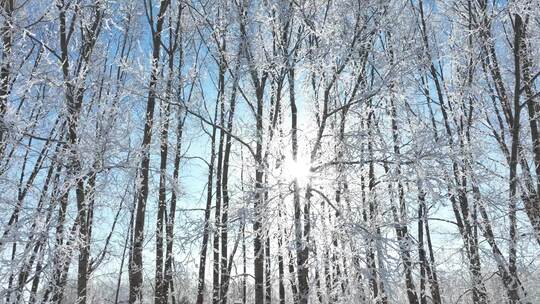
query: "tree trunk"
207, 211
136, 262
5, 69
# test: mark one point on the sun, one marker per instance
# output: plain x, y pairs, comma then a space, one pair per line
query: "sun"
299, 169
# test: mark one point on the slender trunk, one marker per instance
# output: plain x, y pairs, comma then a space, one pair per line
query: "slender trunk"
421, 250
259, 84
225, 191
136, 258
302, 271
427, 267
7, 39
258, 249
267, 272
293, 277
513, 292
401, 219
207, 211
244, 260
59, 260
217, 297
281, 263
160, 288
124, 250
432, 270
162, 276
172, 211
376, 279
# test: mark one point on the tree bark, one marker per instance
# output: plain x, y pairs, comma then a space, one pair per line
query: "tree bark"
136, 262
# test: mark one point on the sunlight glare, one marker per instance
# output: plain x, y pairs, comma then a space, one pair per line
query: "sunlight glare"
299, 169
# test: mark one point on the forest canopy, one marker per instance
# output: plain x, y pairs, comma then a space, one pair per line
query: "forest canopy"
270, 151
